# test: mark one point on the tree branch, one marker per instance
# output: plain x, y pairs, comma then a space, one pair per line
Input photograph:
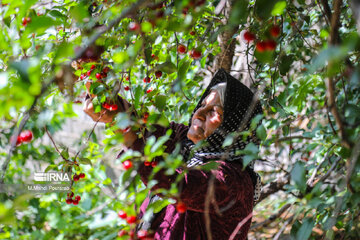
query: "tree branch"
327, 10
335, 23
274, 187
272, 217
227, 42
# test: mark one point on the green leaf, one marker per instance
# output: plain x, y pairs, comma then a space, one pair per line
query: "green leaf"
239, 13
160, 102
65, 153
263, 8
305, 230
40, 24
56, 14
138, 93
278, 8
209, 166
79, 12
261, 132
264, 57
51, 167
285, 64
167, 67
85, 161
298, 176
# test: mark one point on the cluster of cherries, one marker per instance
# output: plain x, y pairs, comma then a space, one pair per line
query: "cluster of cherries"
25, 21
264, 45
70, 199
24, 137
194, 53
110, 107
142, 234
70, 195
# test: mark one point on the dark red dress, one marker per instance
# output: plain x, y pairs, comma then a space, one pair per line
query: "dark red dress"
234, 195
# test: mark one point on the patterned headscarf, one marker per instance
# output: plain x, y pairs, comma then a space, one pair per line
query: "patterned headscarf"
238, 103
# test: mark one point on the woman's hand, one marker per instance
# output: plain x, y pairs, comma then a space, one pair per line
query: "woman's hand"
104, 115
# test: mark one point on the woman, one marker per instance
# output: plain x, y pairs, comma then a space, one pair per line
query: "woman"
219, 112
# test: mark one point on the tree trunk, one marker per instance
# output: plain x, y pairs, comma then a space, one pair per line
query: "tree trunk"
226, 41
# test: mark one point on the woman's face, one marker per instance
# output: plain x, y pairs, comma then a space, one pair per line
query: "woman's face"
207, 118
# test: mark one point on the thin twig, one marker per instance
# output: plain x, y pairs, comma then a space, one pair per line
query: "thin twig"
53, 142
311, 179
278, 234
272, 217
240, 224
352, 163
209, 195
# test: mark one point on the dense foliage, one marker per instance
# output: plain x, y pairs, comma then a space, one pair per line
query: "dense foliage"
300, 56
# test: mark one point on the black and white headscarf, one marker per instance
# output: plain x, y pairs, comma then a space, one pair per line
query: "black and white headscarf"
238, 102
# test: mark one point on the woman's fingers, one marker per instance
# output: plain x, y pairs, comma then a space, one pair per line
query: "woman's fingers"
102, 116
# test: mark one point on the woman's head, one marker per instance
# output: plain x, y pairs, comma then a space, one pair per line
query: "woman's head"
209, 115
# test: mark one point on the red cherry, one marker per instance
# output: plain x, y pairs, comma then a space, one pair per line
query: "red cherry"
127, 164
158, 74
181, 49
106, 69
154, 163
24, 22
181, 207
127, 78
113, 107
122, 214
270, 45
88, 73
82, 175
70, 194
92, 67
147, 163
131, 234
142, 234
98, 76
249, 37
18, 141
103, 75
26, 136
153, 56
69, 201
260, 46
192, 33
122, 233
146, 115
76, 178
131, 219
83, 76
185, 10
275, 31
195, 54
133, 26
78, 198
106, 105
75, 202
149, 90
147, 79
126, 88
